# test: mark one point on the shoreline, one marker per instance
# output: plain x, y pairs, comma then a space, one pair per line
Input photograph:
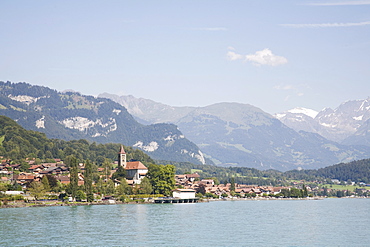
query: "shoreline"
71, 204
58, 204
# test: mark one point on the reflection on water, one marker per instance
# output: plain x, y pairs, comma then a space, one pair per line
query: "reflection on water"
329, 222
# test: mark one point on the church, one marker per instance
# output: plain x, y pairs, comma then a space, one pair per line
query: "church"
135, 170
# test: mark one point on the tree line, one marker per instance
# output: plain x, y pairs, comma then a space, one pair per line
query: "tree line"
16, 144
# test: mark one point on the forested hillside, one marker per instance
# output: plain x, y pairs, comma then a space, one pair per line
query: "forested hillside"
16, 144
356, 171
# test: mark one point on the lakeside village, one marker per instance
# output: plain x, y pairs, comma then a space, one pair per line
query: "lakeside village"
52, 183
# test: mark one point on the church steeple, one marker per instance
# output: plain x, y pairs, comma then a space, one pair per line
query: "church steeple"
122, 157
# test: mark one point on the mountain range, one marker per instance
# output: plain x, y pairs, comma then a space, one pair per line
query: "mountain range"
347, 124
234, 134
70, 115
225, 134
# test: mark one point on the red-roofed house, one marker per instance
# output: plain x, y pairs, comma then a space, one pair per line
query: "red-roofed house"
135, 171
36, 168
24, 178
192, 177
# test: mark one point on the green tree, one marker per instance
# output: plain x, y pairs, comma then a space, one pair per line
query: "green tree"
201, 189
100, 160
348, 193
110, 188
73, 170
224, 195
162, 178
295, 193
340, 193
54, 183
304, 192
45, 183
80, 195
285, 193
24, 167
88, 181
36, 189
145, 186
107, 168
3, 187
123, 188
232, 184
100, 186
120, 173
325, 191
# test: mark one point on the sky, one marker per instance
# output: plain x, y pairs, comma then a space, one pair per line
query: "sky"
275, 55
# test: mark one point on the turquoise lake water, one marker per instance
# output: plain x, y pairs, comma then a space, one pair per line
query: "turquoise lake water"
329, 222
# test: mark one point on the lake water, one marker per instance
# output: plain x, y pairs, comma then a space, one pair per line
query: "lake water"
329, 222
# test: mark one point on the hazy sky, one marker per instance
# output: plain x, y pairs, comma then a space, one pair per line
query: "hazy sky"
275, 55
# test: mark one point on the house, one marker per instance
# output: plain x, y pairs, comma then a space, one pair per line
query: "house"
24, 178
192, 177
15, 166
36, 168
54, 170
66, 179
63, 179
181, 179
136, 171
207, 182
276, 190
184, 193
4, 170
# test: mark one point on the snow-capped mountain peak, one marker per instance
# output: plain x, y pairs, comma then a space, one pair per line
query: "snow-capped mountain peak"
308, 112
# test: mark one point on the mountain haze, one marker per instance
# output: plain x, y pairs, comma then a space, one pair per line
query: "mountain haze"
148, 111
234, 134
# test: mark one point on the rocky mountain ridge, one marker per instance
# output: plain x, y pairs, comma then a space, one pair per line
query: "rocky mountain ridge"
70, 115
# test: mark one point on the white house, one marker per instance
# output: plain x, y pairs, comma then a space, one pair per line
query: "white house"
136, 171
14, 192
184, 193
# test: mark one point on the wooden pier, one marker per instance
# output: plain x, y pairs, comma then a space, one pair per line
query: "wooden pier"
175, 200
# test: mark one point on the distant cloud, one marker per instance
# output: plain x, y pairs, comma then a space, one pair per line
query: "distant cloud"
341, 3
211, 29
325, 25
264, 57
232, 56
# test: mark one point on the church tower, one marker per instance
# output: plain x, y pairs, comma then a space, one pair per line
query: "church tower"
122, 157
